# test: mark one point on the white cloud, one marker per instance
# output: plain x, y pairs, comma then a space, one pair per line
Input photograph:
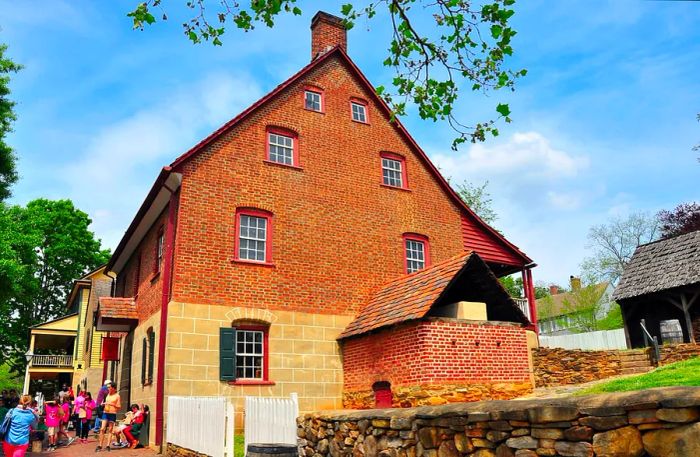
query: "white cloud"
565, 200
117, 167
527, 155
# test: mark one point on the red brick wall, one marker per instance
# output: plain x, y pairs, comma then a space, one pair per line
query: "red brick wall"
434, 352
337, 230
150, 284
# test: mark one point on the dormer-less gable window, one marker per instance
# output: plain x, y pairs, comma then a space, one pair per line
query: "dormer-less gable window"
394, 170
313, 99
253, 236
282, 147
358, 111
416, 252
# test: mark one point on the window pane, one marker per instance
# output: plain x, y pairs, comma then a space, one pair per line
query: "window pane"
392, 173
281, 148
358, 112
415, 255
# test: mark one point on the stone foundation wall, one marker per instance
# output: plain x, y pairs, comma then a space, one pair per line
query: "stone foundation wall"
431, 395
655, 422
556, 366
678, 352
172, 450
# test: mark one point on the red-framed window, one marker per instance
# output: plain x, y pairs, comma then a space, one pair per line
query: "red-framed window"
359, 111
314, 99
416, 249
244, 354
394, 170
253, 241
282, 146
160, 246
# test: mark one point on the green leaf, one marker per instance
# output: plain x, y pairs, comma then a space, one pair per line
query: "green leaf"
503, 109
496, 31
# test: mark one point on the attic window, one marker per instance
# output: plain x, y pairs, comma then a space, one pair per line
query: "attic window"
358, 110
394, 170
313, 99
416, 252
282, 147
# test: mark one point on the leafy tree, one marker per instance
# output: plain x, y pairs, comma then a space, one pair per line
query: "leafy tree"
685, 218
478, 199
513, 285
9, 380
585, 307
467, 40
8, 172
43, 248
614, 243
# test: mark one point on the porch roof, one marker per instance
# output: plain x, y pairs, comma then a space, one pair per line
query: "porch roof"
412, 296
660, 266
116, 314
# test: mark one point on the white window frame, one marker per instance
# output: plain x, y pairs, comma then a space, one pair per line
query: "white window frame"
283, 148
243, 253
389, 172
242, 355
316, 98
415, 258
356, 113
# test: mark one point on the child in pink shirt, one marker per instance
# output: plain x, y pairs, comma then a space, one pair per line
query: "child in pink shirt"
54, 413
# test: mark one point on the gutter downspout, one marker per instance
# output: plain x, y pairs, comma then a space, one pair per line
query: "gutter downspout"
165, 299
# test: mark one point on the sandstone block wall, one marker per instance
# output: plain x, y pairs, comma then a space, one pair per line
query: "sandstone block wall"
556, 366
656, 422
304, 356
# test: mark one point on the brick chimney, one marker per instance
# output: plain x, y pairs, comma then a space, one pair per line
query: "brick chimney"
575, 282
327, 31
553, 289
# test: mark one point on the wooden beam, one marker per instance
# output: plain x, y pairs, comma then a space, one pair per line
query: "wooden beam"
689, 324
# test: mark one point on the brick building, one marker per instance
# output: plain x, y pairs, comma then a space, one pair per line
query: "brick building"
256, 248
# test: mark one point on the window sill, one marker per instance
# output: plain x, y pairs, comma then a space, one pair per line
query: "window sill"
251, 382
314, 111
283, 165
155, 276
252, 262
405, 189
359, 122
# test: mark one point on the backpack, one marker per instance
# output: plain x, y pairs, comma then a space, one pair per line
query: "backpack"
5, 426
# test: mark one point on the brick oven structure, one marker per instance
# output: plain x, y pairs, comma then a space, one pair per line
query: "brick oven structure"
255, 249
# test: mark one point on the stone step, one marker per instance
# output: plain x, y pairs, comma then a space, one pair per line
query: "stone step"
636, 370
641, 364
634, 357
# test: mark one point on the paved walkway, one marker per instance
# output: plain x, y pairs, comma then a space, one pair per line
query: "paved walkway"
88, 449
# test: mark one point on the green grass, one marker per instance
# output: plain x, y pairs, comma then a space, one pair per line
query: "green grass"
238, 446
685, 373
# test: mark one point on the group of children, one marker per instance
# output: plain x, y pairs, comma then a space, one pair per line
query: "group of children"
59, 412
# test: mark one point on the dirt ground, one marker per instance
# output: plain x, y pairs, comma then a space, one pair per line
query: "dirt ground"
88, 449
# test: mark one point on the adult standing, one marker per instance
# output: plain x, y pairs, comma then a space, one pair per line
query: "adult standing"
23, 418
112, 404
99, 401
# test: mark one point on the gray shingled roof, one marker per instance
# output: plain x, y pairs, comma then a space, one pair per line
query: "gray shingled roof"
661, 265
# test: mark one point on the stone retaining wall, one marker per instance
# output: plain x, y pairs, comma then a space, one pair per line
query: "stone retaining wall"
655, 422
556, 366
172, 450
678, 352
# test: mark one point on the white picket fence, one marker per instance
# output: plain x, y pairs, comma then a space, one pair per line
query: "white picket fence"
271, 420
201, 424
604, 339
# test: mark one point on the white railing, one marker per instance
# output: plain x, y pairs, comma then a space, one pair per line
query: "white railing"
201, 424
604, 339
271, 420
524, 307
52, 361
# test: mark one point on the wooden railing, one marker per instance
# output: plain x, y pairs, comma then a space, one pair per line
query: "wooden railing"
524, 306
52, 361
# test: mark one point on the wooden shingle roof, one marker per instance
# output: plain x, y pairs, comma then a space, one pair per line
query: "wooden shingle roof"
661, 265
411, 297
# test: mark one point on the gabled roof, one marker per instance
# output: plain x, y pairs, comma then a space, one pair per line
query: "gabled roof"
412, 296
117, 308
661, 265
63, 323
342, 55
556, 305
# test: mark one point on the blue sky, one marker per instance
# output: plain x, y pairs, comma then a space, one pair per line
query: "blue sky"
603, 124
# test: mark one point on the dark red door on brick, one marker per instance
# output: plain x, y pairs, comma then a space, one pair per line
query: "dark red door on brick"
382, 394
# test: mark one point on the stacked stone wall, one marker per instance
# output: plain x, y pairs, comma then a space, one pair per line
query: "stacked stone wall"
556, 366
679, 352
655, 422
